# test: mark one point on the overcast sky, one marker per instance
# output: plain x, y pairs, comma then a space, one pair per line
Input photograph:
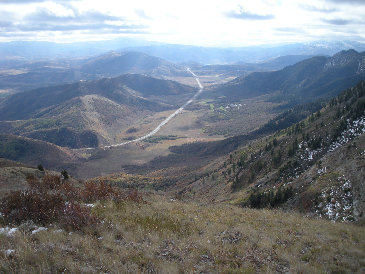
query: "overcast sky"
195, 22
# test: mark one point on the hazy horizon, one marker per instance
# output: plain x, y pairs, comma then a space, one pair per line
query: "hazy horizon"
201, 23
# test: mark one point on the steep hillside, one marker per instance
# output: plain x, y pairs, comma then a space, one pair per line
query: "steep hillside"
317, 77
315, 166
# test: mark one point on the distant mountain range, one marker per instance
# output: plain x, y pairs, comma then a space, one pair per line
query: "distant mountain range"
242, 68
15, 52
313, 78
21, 69
253, 54
29, 75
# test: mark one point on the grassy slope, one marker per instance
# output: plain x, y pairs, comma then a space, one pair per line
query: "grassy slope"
174, 237
13, 175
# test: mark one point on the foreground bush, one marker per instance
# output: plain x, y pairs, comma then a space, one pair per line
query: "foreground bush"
52, 200
93, 192
48, 182
41, 208
76, 217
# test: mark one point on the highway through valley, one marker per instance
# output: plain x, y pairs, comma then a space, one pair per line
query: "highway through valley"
164, 122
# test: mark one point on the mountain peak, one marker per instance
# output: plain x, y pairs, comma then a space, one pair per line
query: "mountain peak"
349, 52
346, 58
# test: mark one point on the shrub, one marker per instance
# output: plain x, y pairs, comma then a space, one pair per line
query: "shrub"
40, 167
49, 182
41, 208
75, 217
50, 201
136, 197
98, 191
69, 192
65, 175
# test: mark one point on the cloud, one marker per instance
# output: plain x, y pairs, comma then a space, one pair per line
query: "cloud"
72, 27
290, 30
69, 19
317, 9
361, 2
70, 15
338, 22
5, 24
142, 14
30, 1
244, 15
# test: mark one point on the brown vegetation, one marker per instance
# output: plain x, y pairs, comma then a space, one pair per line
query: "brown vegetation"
174, 237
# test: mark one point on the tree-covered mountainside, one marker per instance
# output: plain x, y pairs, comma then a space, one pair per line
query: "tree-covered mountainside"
317, 77
315, 166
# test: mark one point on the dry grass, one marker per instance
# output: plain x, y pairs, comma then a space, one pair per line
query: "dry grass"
171, 237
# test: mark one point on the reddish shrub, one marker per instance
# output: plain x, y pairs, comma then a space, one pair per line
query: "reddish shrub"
41, 208
135, 196
32, 180
102, 191
49, 200
69, 192
49, 182
75, 217
98, 191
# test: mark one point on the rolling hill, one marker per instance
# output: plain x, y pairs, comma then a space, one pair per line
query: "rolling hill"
117, 63
34, 152
88, 112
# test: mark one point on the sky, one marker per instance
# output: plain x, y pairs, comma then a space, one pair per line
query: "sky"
189, 22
